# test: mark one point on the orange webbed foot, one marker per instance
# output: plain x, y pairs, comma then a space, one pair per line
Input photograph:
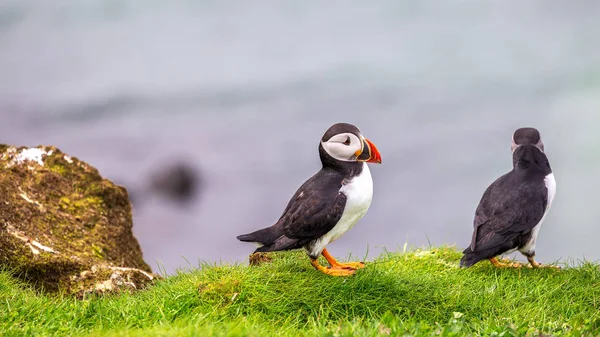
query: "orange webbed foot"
499, 264
335, 264
332, 271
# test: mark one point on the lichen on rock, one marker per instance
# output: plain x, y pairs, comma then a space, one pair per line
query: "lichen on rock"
65, 228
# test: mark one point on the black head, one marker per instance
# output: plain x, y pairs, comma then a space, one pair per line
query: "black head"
530, 158
343, 145
525, 136
340, 128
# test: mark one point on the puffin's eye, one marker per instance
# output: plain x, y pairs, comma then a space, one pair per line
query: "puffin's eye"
347, 142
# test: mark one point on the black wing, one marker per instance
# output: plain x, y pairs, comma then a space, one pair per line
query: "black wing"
510, 208
313, 211
316, 207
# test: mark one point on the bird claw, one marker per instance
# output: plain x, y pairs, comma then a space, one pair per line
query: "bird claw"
351, 265
333, 270
534, 264
514, 265
337, 271
508, 264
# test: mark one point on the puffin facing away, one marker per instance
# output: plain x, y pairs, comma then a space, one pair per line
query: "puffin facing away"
328, 204
513, 207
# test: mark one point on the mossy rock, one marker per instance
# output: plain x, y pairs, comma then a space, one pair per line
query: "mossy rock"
65, 228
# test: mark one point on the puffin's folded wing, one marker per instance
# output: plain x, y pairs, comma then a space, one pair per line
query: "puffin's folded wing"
509, 217
314, 214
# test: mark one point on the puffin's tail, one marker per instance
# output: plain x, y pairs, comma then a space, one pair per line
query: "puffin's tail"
470, 257
263, 236
270, 239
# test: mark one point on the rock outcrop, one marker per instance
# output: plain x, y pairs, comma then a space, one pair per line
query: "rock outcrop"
65, 228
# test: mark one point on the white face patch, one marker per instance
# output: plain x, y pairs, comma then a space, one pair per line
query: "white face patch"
343, 146
513, 146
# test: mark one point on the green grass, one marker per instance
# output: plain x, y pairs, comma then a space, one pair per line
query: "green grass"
420, 293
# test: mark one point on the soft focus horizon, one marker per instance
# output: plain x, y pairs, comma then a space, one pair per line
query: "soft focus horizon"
243, 91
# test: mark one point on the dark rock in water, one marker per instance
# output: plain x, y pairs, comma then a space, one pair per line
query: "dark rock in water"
179, 182
65, 228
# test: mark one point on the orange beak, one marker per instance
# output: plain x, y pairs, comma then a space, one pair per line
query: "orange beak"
369, 153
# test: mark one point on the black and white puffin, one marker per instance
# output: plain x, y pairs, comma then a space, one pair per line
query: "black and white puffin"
513, 207
328, 204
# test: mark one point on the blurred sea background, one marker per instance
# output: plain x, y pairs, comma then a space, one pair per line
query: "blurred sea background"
243, 91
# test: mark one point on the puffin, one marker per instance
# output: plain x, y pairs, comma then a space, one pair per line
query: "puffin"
328, 204
513, 207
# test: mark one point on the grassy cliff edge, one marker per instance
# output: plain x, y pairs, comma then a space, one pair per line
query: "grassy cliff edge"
418, 293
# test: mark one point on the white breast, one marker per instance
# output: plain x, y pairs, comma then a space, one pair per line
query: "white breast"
359, 193
550, 183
